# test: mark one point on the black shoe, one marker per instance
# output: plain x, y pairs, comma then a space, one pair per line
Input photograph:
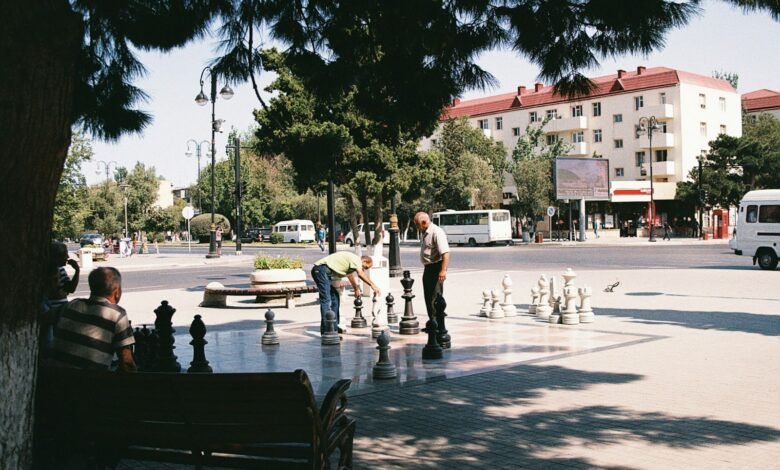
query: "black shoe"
340, 331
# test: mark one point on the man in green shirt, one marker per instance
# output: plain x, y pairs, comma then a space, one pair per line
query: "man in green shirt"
335, 267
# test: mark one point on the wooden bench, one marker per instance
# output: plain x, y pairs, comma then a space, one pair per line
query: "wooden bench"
215, 294
247, 420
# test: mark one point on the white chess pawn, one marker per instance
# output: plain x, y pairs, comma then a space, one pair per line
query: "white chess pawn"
508, 305
496, 311
570, 315
543, 310
483, 312
586, 312
534, 301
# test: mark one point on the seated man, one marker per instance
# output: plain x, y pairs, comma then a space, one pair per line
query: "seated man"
90, 331
333, 268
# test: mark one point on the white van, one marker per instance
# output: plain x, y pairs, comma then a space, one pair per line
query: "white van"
757, 233
350, 238
296, 231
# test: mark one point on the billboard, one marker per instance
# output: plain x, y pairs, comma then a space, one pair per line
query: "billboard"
582, 178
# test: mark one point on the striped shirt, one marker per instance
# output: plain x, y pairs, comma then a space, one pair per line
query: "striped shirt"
89, 332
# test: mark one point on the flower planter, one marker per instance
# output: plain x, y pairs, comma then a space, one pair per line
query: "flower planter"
277, 278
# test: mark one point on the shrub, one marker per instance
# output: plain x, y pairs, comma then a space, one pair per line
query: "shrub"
277, 262
276, 237
159, 237
200, 226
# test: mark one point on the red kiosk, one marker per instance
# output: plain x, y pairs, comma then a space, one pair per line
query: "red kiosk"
720, 223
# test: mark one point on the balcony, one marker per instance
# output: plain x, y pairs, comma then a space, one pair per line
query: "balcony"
660, 141
566, 124
663, 169
661, 112
580, 148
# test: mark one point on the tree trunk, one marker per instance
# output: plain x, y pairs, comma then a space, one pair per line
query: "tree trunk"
39, 44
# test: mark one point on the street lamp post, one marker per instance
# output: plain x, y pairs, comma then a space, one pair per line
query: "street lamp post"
124, 187
700, 195
201, 99
188, 153
649, 125
106, 168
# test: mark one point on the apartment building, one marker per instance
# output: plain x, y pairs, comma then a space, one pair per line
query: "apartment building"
691, 111
761, 101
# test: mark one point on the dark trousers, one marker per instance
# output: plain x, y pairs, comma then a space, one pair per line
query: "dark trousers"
431, 286
330, 298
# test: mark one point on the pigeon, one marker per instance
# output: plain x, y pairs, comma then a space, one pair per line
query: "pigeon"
611, 287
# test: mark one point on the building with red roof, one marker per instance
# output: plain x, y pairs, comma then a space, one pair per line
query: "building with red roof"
760, 102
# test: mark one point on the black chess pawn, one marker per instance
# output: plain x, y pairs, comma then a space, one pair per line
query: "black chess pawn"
270, 337
198, 333
392, 317
384, 369
442, 335
409, 324
432, 350
330, 336
358, 321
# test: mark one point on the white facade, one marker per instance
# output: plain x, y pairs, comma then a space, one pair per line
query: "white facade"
164, 194
691, 110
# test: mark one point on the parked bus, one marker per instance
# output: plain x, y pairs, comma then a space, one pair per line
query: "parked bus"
757, 233
475, 227
296, 230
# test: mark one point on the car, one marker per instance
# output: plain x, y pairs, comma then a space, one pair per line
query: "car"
350, 239
257, 235
91, 239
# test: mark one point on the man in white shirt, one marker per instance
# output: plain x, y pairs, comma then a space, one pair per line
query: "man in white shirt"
435, 257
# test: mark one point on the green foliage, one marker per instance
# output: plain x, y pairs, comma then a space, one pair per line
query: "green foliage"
71, 206
263, 261
200, 226
106, 209
276, 238
143, 185
730, 77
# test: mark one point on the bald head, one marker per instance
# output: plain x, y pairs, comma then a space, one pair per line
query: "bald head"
422, 221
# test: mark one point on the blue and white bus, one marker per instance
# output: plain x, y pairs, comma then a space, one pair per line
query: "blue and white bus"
475, 227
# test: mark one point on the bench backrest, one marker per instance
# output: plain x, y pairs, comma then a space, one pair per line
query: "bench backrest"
182, 410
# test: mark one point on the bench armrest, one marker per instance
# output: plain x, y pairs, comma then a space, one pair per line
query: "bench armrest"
334, 406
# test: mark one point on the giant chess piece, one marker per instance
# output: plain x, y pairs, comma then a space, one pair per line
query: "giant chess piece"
432, 350
442, 336
198, 332
409, 324
330, 336
543, 309
483, 312
553, 291
392, 317
534, 301
384, 369
358, 321
165, 360
376, 328
570, 315
568, 276
555, 316
270, 337
139, 349
586, 312
508, 305
495, 310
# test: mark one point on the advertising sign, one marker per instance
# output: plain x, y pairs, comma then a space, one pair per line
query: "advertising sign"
582, 178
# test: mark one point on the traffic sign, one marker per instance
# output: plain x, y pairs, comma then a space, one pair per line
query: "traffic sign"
188, 212
551, 211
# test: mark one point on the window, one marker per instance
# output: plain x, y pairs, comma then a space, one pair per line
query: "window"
640, 158
500, 216
769, 214
597, 135
618, 143
483, 124
619, 172
578, 137
661, 155
703, 129
499, 123
617, 118
662, 98
722, 102
702, 101
516, 131
533, 117
576, 111
752, 214
662, 127
552, 139
597, 109
552, 114
639, 102
722, 129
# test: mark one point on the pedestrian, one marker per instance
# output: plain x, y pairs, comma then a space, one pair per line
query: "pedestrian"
321, 237
90, 331
336, 267
61, 284
218, 238
596, 227
695, 226
435, 257
667, 231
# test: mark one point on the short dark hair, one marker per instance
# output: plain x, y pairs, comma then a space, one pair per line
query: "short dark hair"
103, 281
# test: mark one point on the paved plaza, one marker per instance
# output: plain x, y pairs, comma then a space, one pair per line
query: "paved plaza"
679, 370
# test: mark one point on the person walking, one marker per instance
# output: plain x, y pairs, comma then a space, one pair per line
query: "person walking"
333, 268
435, 257
218, 238
596, 227
321, 237
667, 231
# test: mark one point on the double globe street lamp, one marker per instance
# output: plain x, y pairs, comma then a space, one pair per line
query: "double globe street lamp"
201, 99
189, 153
649, 125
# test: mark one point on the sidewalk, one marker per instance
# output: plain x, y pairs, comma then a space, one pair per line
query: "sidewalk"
678, 371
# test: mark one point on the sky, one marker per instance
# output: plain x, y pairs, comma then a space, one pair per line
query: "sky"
721, 39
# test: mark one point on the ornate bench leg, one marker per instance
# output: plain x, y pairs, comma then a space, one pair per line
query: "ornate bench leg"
290, 302
345, 448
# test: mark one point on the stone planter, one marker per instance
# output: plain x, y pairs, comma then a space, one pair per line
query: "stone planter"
277, 278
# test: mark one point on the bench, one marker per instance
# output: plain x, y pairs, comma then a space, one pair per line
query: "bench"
246, 420
215, 294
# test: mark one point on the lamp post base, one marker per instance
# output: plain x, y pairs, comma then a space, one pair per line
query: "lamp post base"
212, 244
